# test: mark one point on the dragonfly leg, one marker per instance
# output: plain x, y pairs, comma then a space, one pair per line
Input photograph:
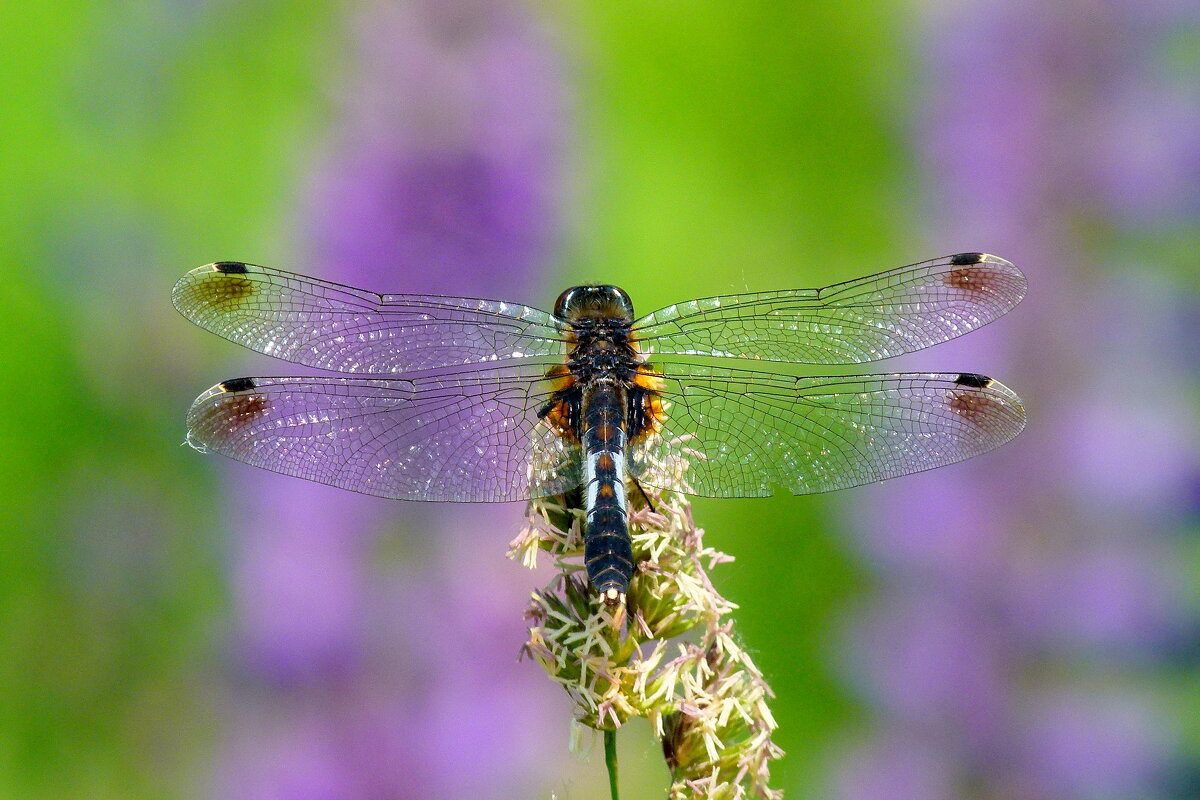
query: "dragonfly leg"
645, 497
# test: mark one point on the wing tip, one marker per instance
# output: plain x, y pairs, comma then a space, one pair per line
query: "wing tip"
219, 416
219, 286
986, 275
982, 397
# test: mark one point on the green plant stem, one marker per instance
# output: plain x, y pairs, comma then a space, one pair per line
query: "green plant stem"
610, 761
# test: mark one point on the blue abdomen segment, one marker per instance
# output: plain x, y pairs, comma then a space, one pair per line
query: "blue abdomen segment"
607, 550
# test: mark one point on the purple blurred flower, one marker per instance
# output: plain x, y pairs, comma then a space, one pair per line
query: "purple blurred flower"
286, 757
932, 664
1137, 439
1150, 173
896, 766
960, 542
1056, 551
446, 171
374, 677
1108, 597
1093, 743
297, 565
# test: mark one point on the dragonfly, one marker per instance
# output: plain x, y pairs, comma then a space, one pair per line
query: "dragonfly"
460, 399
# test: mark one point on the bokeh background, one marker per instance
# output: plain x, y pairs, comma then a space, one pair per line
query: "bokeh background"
1021, 627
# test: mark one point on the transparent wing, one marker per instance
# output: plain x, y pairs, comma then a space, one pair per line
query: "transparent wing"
736, 433
343, 329
868, 319
473, 437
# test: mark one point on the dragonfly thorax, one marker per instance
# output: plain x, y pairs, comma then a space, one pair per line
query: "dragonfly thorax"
602, 351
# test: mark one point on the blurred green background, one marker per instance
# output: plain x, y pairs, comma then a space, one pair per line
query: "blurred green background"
704, 148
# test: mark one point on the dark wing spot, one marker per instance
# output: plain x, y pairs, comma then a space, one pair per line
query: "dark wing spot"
973, 407
234, 410
230, 267
223, 289
966, 259
973, 380
979, 279
237, 385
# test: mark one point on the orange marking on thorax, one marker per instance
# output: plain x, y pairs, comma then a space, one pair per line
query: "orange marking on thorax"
559, 418
651, 399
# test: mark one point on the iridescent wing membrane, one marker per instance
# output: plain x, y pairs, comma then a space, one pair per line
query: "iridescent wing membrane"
341, 329
868, 319
469, 437
465, 422
737, 433
454, 433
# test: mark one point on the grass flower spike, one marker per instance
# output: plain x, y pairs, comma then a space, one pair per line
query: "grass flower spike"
670, 655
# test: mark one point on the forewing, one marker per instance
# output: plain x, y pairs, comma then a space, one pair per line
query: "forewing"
473, 437
736, 433
339, 328
868, 319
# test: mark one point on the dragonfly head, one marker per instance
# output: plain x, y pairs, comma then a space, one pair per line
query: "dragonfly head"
594, 302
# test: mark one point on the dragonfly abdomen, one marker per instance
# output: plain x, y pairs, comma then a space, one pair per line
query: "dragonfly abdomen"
608, 552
